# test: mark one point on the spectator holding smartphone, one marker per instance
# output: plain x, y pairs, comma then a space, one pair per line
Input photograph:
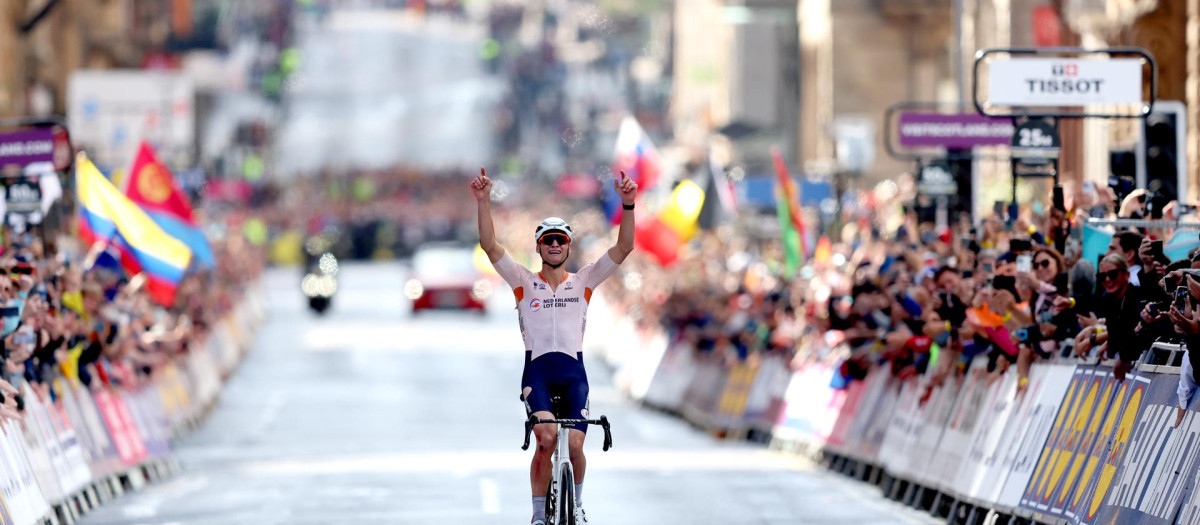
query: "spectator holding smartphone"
1108, 321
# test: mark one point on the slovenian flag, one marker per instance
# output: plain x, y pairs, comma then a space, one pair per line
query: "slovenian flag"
107, 215
636, 155
152, 186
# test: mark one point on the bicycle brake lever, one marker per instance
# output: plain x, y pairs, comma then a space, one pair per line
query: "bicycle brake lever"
607, 433
528, 431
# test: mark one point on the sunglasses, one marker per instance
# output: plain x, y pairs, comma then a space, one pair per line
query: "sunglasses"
1044, 263
551, 238
1110, 275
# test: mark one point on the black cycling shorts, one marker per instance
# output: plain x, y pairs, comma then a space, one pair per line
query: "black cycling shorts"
556, 374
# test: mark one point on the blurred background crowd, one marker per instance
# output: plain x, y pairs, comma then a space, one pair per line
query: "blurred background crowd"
772, 222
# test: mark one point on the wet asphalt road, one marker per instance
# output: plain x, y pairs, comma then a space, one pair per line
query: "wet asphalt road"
368, 415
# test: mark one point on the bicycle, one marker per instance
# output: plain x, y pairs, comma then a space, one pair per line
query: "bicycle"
562, 482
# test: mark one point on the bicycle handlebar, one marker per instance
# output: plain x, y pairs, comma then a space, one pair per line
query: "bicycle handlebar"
602, 422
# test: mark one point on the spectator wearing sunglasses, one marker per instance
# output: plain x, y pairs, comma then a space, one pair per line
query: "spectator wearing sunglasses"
1126, 244
1107, 322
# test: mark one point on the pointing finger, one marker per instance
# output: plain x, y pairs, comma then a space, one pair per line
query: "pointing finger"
482, 172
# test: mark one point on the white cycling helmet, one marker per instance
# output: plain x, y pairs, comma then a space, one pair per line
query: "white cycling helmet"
554, 224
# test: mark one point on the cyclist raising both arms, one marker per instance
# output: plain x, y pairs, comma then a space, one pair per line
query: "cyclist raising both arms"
552, 309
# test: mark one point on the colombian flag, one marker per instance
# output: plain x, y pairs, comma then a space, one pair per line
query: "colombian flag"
106, 215
151, 185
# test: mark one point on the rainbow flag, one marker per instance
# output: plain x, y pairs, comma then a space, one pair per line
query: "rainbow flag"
152, 186
107, 215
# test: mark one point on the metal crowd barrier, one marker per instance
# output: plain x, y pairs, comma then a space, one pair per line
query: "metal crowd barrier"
1072, 447
81, 447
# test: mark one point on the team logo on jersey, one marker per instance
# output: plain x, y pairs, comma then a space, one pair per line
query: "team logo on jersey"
569, 286
535, 305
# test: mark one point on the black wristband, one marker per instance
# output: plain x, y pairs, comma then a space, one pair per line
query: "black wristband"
627, 206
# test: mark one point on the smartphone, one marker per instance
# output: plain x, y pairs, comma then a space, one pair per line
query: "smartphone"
1062, 284
998, 209
988, 267
1025, 263
1060, 201
1004, 282
1155, 309
967, 274
1182, 298
1156, 248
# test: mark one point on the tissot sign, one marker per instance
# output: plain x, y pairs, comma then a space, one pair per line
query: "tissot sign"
1064, 82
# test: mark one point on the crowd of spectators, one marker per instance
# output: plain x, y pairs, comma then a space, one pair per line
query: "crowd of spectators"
1011, 290
69, 312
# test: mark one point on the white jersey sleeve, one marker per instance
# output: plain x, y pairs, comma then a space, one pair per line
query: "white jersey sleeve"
595, 273
513, 273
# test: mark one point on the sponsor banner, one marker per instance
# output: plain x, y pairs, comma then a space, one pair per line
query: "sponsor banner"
859, 437
732, 404
941, 405
1056, 82
961, 131
1085, 400
996, 471
1159, 461
846, 416
765, 399
880, 418
671, 378
120, 434
952, 448
1189, 514
1063, 407
810, 405
35, 145
973, 475
1080, 440
1108, 450
896, 450
1032, 429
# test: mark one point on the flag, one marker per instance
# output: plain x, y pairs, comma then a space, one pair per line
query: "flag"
636, 155
152, 186
107, 215
667, 232
720, 204
791, 222
1180, 244
1095, 243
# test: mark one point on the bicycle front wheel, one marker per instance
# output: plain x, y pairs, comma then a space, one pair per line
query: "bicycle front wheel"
567, 496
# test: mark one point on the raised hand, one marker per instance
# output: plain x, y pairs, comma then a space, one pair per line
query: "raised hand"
481, 186
626, 187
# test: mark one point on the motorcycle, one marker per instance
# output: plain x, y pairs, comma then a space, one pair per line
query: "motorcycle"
320, 278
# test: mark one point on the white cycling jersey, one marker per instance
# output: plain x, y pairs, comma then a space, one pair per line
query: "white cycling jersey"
553, 320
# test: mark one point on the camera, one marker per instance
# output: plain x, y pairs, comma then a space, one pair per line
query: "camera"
1121, 185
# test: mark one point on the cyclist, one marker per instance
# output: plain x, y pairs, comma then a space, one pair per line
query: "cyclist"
552, 309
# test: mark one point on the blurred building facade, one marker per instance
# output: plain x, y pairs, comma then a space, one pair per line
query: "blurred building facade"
852, 59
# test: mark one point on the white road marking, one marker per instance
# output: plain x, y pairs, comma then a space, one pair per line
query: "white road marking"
489, 494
